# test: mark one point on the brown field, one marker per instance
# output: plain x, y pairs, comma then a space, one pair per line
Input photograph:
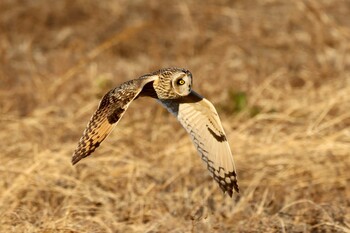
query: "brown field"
277, 71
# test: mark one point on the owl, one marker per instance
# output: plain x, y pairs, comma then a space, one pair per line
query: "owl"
172, 88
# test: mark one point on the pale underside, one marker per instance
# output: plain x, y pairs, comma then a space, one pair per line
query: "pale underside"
201, 121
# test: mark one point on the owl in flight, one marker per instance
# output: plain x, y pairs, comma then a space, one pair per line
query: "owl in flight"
171, 87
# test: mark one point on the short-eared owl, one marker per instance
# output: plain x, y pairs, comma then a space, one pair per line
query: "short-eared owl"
172, 88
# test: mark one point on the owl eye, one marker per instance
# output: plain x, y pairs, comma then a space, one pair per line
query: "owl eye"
181, 82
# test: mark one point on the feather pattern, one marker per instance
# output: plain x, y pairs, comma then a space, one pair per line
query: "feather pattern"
200, 119
110, 110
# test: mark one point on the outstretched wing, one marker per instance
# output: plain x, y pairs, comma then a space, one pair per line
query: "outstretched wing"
200, 119
111, 108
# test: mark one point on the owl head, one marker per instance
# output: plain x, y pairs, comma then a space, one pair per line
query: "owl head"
173, 83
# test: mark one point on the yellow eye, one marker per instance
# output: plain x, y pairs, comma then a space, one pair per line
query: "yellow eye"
181, 82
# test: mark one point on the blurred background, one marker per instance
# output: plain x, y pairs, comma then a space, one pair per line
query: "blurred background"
277, 71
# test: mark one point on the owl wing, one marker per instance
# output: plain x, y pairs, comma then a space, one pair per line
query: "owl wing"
110, 110
200, 119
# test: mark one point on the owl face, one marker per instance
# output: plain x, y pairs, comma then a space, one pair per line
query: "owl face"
182, 82
172, 83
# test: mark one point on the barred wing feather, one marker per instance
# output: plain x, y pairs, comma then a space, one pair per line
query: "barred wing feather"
200, 119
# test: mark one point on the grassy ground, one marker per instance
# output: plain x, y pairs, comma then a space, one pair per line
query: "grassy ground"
278, 72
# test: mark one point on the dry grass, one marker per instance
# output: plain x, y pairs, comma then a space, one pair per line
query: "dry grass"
290, 136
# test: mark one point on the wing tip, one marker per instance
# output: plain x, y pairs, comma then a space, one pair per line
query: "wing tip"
227, 182
75, 159
234, 187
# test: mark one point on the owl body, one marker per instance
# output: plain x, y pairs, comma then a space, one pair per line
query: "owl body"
172, 87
